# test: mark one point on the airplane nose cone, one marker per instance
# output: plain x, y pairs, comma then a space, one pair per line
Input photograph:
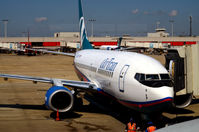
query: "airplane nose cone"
158, 99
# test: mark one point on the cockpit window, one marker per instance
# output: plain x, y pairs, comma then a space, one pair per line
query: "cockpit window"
154, 80
152, 77
139, 76
164, 76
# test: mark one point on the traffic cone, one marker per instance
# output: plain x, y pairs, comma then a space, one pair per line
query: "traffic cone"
57, 116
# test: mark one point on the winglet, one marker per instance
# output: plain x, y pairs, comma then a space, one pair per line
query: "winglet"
85, 44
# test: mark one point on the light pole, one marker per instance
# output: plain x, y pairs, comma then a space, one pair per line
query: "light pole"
92, 21
5, 27
171, 21
190, 20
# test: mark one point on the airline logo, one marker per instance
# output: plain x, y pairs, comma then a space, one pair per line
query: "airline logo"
108, 64
85, 44
82, 29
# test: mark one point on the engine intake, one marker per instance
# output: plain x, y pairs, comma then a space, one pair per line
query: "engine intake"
182, 101
59, 98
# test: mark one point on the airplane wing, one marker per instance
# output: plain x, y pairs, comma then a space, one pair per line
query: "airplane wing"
57, 82
187, 126
52, 52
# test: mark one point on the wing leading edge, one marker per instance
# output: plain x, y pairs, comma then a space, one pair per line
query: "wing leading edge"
54, 81
52, 52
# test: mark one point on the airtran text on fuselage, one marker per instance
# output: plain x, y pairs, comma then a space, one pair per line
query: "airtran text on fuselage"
108, 64
107, 67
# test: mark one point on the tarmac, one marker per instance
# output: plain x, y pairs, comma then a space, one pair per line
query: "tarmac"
21, 102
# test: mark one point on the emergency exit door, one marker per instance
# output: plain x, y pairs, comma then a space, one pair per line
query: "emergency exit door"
122, 77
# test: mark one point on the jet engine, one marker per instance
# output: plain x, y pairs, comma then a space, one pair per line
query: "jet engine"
182, 101
59, 98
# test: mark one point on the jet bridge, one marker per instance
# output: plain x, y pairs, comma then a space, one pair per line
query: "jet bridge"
183, 65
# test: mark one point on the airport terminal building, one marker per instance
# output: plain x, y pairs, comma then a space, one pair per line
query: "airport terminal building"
71, 39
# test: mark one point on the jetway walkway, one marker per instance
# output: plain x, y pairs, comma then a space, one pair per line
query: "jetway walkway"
190, 54
183, 65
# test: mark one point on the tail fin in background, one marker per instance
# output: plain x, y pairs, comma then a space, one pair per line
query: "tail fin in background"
85, 44
119, 41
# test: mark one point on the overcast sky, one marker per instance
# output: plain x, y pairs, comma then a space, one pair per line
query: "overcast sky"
113, 17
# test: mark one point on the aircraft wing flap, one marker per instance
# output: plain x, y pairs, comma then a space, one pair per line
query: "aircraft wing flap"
79, 84
57, 82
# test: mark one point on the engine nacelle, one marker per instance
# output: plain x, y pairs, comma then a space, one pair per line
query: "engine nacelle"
182, 101
59, 98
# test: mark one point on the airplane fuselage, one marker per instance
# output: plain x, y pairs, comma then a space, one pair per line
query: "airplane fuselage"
134, 80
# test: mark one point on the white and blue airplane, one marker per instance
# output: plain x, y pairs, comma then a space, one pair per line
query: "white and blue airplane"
136, 81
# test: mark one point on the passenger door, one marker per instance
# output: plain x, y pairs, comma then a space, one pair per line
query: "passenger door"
122, 77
